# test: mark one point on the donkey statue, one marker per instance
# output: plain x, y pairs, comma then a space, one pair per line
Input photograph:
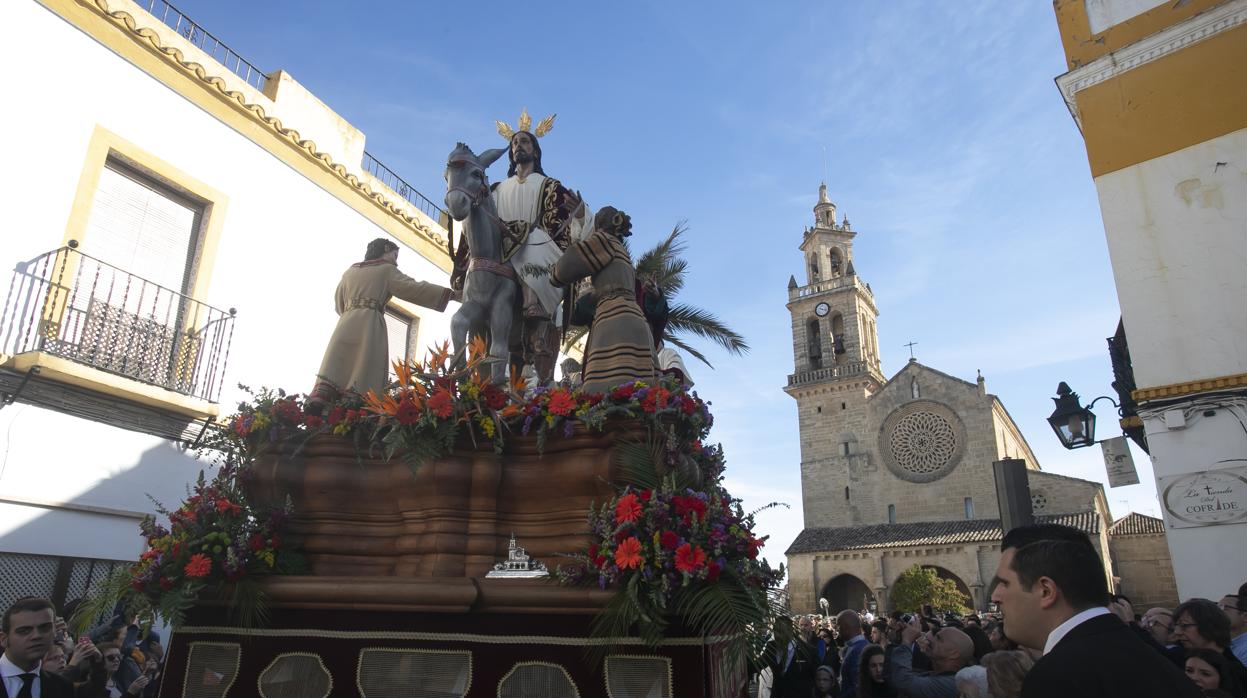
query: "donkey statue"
490, 285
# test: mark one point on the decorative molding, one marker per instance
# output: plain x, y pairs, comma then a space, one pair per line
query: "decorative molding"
561, 640
918, 434
72, 506
174, 57
1163, 43
1190, 387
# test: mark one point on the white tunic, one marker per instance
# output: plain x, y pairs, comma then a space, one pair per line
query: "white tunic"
518, 201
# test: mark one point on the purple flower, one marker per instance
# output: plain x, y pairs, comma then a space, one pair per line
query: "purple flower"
568, 426
528, 424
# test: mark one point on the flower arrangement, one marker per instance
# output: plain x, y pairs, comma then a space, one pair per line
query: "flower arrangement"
434, 403
216, 540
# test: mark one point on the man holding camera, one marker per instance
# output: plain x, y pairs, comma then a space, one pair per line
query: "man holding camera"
949, 649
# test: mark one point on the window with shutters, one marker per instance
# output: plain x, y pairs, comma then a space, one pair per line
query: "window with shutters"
144, 226
400, 331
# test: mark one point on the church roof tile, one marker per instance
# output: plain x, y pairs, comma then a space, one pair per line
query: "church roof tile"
923, 533
1136, 524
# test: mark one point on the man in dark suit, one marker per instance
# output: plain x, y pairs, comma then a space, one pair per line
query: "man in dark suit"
1051, 587
26, 632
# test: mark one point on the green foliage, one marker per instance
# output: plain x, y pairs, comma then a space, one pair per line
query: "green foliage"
922, 585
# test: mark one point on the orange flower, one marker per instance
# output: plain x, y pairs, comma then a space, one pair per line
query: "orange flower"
199, 566
627, 510
628, 554
442, 403
561, 403
689, 558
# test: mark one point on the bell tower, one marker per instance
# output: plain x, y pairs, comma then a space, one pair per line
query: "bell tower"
836, 365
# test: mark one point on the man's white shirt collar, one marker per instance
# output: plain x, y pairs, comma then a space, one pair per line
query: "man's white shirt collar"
1059, 632
8, 668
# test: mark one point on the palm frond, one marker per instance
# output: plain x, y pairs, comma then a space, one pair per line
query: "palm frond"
662, 263
638, 463
574, 334
668, 338
686, 318
729, 612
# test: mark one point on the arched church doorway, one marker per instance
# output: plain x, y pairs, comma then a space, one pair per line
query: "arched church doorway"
847, 591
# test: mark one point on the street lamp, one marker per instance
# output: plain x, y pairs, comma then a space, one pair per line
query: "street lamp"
1074, 424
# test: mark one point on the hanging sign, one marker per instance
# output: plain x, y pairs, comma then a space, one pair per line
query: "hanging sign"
1205, 498
1119, 462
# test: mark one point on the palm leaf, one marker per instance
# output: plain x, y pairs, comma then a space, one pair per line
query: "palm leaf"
729, 612
704, 324
686, 347
662, 264
638, 463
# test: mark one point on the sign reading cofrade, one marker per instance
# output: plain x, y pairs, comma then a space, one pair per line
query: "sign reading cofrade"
1206, 498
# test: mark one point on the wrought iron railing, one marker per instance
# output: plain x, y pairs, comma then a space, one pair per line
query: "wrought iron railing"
68, 304
388, 177
197, 35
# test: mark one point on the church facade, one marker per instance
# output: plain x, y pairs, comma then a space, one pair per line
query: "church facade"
897, 471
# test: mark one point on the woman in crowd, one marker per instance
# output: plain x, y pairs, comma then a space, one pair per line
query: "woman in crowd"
111, 680
1200, 624
873, 682
825, 682
1006, 669
1210, 670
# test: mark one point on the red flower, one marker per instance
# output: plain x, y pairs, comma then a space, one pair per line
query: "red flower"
561, 403
255, 542
352, 415
274, 542
442, 403
223, 505
199, 566
592, 398
314, 422
593, 550
166, 583
407, 413
495, 398
627, 510
689, 558
669, 540
687, 406
628, 554
687, 506
712, 571
646, 494
623, 392
336, 415
754, 544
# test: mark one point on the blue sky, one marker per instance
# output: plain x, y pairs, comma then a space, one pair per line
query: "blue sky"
937, 127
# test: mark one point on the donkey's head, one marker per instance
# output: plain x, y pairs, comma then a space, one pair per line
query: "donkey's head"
466, 184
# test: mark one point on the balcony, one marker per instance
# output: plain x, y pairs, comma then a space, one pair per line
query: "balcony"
83, 337
856, 368
832, 284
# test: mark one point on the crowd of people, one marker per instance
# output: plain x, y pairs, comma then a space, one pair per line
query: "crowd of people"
42, 659
1059, 632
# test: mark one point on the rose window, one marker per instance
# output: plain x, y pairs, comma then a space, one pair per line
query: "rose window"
923, 442
1039, 502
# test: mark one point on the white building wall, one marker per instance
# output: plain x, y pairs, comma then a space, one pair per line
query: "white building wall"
1177, 236
283, 246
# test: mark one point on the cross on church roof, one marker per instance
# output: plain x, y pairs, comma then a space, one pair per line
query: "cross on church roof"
911, 346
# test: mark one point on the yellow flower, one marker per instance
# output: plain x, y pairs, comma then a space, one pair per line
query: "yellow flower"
260, 421
487, 425
472, 390
550, 420
267, 557
341, 428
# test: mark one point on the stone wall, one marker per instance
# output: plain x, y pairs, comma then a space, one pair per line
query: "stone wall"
1146, 570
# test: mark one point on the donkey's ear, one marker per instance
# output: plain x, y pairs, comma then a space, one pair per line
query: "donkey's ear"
488, 157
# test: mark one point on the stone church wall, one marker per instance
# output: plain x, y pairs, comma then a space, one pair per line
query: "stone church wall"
1146, 570
1058, 494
